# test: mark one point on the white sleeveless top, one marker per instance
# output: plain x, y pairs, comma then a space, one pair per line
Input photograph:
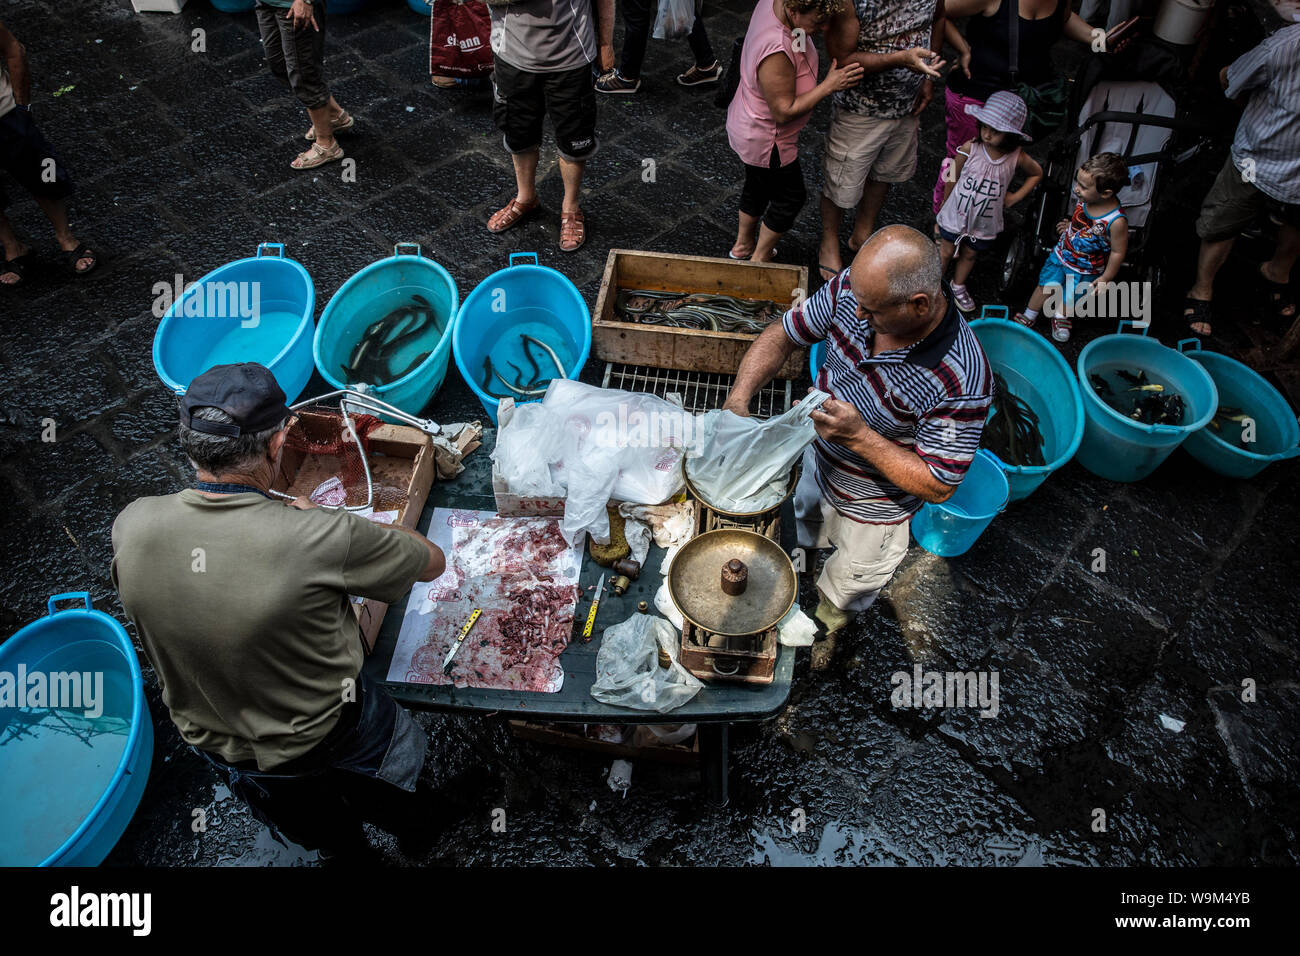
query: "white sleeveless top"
974, 207
6, 91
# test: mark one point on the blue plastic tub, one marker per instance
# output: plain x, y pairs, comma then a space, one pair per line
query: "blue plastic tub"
949, 529
419, 6
1276, 430
370, 295
71, 779
238, 6
251, 310
519, 299
1115, 446
334, 7
1034, 370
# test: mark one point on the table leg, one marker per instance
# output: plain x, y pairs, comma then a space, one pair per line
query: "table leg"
714, 760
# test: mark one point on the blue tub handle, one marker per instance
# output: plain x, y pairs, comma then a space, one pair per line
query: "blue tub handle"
83, 596
397, 249
995, 312
1189, 345
1144, 326
525, 255
277, 246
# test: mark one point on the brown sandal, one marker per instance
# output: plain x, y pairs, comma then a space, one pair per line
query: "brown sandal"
511, 214
573, 231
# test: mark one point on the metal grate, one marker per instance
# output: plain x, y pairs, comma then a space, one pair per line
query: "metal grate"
699, 391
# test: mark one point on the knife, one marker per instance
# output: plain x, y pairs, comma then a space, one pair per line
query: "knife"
460, 639
591, 615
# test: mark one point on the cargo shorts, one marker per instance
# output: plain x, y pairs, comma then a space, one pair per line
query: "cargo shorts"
860, 147
29, 158
865, 555
294, 56
1232, 204
521, 100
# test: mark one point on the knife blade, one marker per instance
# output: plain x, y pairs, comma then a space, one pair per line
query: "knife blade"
460, 639
591, 615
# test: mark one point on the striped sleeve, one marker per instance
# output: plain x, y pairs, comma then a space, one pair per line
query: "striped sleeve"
948, 437
810, 321
1249, 70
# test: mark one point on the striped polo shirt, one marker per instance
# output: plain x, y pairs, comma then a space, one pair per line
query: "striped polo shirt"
931, 397
1268, 134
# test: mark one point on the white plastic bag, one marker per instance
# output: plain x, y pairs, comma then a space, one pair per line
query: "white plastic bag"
627, 667
526, 451
675, 20
744, 464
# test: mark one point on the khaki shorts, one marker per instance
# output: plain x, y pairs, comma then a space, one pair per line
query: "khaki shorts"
861, 147
1232, 204
865, 555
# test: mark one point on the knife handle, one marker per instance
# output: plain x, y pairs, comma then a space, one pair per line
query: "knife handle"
591, 619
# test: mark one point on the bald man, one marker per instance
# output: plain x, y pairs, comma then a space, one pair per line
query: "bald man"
910, 388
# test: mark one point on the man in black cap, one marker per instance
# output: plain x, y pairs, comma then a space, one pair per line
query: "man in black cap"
241, 601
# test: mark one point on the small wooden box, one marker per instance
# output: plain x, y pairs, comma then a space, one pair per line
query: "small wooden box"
634, 343
400, 456
739, 665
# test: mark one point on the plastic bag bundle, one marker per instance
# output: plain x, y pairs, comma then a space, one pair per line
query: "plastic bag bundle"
591, 445
676, 19
743, 465
628, 672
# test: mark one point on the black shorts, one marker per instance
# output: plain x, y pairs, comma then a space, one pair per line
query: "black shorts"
30, 159
520, 99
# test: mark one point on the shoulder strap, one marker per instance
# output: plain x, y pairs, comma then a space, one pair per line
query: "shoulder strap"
1013, 36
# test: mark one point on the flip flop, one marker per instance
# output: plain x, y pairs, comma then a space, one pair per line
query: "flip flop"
83, 251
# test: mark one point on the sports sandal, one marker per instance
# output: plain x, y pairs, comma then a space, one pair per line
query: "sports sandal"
511, 214
317, 156
17, 267
83, 251
344, 122
1197, 312
573, 231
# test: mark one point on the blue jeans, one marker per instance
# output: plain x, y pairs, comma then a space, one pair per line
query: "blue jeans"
365, 769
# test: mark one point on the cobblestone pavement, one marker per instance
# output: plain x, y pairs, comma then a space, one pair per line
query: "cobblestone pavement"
182, 161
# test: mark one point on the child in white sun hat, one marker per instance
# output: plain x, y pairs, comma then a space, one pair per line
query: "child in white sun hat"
979, 184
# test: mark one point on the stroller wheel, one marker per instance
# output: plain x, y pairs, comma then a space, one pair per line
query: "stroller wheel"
1013, 265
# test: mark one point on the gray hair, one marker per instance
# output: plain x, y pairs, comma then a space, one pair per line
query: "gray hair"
918, 270
222, 454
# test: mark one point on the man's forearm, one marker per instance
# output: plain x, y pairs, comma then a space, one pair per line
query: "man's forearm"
760, 364
938, 28
901, 466
875, 62
605, 22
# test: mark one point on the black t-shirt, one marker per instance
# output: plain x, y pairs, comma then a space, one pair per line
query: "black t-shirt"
990, 45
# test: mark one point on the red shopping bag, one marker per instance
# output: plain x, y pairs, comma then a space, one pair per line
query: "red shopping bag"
459, 39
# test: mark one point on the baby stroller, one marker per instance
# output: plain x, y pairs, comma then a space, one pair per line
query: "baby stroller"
1125, 105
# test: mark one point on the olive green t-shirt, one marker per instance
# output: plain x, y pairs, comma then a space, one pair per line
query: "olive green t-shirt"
242, 606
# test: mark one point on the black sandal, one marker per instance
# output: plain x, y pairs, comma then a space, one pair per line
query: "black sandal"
83, 251
1198, 312
18, 267
1278, 298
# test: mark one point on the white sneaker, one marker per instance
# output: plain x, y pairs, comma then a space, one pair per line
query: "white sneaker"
1060, 328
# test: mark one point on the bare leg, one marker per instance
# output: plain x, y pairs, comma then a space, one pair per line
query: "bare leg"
56, 210
965, 263
746, 237
946, 249
1209, 261
571, 173
1278, 269
526, 177
320, 122
1037, 299
828, 253
873, 197
763, 252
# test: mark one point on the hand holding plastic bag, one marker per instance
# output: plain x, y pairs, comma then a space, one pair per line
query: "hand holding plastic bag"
628, 672
743, 464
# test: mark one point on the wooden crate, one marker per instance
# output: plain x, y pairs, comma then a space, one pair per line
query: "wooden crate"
400, 456
633, 343
756, 665
686, 753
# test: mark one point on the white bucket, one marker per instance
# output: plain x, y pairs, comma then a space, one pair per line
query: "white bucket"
1179, 21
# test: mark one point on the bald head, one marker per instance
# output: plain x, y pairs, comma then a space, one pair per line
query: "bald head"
897, 279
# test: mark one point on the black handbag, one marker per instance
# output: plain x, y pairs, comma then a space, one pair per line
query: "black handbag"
730, 79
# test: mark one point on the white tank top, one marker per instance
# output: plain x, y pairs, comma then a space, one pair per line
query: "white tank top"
974, 207
6, 91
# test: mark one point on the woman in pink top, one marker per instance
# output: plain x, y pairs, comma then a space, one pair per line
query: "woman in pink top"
778, 90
